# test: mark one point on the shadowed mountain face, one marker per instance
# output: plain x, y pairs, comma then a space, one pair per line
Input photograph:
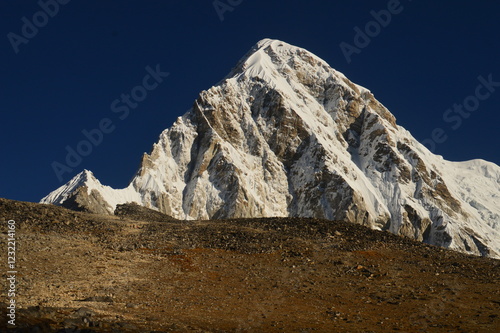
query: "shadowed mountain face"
286, 135
81, 272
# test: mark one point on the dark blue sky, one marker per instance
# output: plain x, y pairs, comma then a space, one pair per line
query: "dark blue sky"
66, 75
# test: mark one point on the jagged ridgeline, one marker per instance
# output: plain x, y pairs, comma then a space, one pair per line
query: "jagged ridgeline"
284, 134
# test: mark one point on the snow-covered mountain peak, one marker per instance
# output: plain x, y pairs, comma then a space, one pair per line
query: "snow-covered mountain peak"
265, 42
279, 56
84, 178
282, 52
284, 134
85, 190
270, 58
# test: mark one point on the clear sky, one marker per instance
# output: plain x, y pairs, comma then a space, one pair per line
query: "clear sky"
62, 71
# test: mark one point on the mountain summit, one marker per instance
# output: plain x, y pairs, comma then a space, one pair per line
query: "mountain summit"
284, 134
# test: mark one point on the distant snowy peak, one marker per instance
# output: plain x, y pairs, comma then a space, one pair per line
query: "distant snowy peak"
284, 134
84, 192
84, 178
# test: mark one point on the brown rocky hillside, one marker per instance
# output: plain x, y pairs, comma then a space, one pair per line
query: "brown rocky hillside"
80, 272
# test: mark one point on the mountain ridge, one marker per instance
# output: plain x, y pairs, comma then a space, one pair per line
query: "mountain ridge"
284, 134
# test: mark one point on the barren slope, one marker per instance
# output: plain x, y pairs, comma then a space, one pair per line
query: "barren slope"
105, 273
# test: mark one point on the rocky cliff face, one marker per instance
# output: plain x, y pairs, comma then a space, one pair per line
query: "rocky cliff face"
284, 134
